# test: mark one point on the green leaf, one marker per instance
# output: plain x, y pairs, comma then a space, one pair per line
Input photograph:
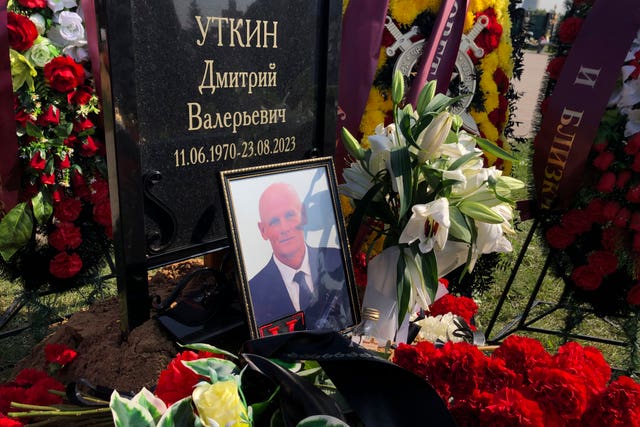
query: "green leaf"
441, 101
321, 421
15, 230
178, 414
63, 130
214, 369
42, 207
492, 148
404, 287
459, 228
209, 348
480, 212
259, 408
462, 160
430, 273
401, 168
33, 130
146, 399
128, 414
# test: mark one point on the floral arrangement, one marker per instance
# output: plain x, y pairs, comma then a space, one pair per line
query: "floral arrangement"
599, 236
59, 233
522, 384
422, 189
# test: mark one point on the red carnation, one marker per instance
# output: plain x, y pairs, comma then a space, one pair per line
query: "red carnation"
29, 376
33, 4
80, 186
67, 209
595, 210
610, 210
458, 370
622, 218
610, 238
8, 394
63, 73
466, 412
604, 160
623, 178
59, 353
460, 306
633, 145
561, 395
600, 146
37, 162
576, 221
603, 261
22, 32
559, 238
497, 376
39, 393
522, 353
102, 213
569, 29
635, 166
586, 277
99, 191
555, 67
489, 38
633, 195
65, 236
635, 244
633, 296
586, 363
607, 182
415, 358
617, 406
509, 407
81, 95
634, 222
177, 381
65, 265
9, 422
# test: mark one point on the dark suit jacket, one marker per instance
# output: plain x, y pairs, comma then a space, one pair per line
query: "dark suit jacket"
330, 307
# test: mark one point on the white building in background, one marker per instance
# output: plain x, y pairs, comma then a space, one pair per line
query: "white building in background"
548, 5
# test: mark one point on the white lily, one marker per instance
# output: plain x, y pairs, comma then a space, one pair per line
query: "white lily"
357, 181
382, 143
430, 224
491, 237
434, 136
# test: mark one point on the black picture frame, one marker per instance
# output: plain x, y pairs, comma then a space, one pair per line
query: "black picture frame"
270, 310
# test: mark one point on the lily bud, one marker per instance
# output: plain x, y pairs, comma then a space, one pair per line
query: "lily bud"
434, 135
352, 145
397, 88
457, 122
425, 97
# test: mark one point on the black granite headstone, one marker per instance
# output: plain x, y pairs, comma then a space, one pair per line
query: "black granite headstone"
191, 88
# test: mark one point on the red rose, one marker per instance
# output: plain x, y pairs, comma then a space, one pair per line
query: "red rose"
51, 116
64, 162
603, 261
633, 145
623, 178
555, 67
633, 296
82, 125
99, 191
633, 195
56, 195
63, 73
67, 209
70, 141
59, 354
617, 406
48, 179
634, 222
37, 162
33, 4
177, 381
65, 236
81, 95
586, 277
604, 160
102, 213
560, 394
89, 147
65, 265
509, 407
607, 182
576, 221
622, 218
569, 29
22, 32
559, 237
522, 353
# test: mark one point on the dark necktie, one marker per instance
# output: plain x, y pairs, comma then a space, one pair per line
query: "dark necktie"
305, 293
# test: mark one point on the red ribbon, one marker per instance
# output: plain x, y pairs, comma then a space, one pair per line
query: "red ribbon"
579, 99
362, 27
10, 171
441, 49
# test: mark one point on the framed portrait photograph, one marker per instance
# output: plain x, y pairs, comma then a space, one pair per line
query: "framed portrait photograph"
290, 244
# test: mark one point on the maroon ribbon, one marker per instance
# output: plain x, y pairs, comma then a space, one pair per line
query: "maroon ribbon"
91, 29
10, 171
362, 28
579, 99
441, 49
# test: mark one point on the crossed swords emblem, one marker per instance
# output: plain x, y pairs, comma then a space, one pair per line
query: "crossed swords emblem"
464, 73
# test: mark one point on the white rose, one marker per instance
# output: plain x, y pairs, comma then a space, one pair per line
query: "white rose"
78, 52
70, 26
41, 52
38, 21
58, 5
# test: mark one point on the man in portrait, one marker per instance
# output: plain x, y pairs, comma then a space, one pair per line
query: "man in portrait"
297, 277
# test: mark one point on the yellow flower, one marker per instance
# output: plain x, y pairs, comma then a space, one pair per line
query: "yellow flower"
21, 71
219, 404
